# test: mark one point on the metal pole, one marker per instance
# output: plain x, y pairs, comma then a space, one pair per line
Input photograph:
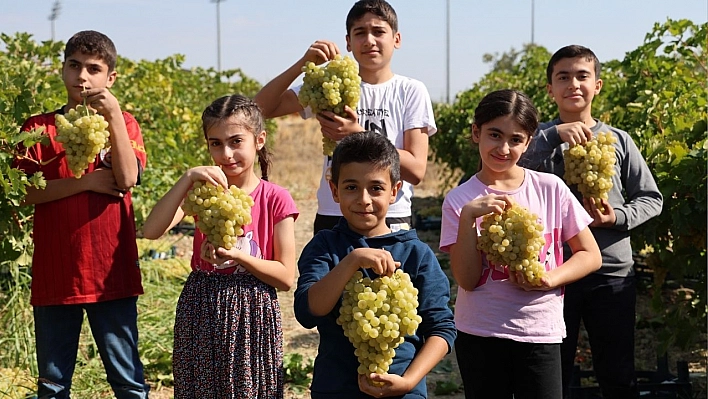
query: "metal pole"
54, 15
447, 61
218, 34
533, 8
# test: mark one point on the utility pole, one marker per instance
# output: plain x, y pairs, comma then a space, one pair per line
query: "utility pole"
54, 15
218, 34
447, 54
533, 10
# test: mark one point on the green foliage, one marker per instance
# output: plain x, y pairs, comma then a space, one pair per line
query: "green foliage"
446, 387
658, 94
24, 90
524, 71
449, 385
298, 373
661, 101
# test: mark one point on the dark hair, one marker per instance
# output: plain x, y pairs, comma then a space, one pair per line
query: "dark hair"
367, 147
249, 115
380, 8
92, 43
507, 102
572, 51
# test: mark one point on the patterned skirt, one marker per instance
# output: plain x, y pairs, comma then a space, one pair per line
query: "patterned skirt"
228, 338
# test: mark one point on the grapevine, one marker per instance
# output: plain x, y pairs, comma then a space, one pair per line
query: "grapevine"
330, 88
376, 315
591, 166
221, 213
83, 134
514, 238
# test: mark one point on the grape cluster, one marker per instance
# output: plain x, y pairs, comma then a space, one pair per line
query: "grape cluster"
591, 166
376, 315
221, 213
514, 238
83, 134
330, 88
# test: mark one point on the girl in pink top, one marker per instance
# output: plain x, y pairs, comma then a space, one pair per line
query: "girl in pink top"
228, 341
509, 331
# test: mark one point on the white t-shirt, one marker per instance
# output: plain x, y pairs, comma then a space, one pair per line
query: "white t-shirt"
389, 108
497, 307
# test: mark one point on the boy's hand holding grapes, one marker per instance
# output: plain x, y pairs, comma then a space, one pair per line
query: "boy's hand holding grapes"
103, 102
320, 52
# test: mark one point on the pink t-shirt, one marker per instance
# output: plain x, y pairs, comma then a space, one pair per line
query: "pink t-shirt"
497, 307
271, 204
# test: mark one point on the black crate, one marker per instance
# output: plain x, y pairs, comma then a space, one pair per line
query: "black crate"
659, 384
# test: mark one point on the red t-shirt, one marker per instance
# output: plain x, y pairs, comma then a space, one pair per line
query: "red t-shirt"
84, 245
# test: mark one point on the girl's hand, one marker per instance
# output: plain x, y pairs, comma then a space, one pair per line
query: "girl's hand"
221, 258
211, 174
574, 133
378, 260
490, 203
320, 52
517, 278
391, 385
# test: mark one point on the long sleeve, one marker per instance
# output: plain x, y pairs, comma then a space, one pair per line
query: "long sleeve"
314, 263
544, 150
434, 295
643, 199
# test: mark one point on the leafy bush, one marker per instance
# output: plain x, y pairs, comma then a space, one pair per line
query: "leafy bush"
298, 373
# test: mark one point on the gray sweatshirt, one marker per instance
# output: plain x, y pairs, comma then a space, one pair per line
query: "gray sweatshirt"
634, 196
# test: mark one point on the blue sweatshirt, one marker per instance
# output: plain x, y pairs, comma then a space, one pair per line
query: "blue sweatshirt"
634, 196
335, 370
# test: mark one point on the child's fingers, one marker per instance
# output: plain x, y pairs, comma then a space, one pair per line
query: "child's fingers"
365, 385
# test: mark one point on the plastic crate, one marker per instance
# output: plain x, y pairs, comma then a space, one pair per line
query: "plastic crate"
651, 384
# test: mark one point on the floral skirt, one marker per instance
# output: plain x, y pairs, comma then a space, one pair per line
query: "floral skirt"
228, 338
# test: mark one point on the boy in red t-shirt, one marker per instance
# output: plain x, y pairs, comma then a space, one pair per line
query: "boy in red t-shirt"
85, 256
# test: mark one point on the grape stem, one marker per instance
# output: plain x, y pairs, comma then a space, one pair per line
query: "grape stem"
83, 88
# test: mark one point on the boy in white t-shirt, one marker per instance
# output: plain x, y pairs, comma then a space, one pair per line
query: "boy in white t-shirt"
392, 105
510, 331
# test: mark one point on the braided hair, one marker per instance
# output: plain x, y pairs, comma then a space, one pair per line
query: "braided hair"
249, 116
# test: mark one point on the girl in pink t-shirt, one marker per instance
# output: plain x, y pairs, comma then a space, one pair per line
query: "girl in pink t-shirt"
228, 340
509, 331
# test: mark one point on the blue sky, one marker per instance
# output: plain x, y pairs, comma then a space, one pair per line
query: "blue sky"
264, 37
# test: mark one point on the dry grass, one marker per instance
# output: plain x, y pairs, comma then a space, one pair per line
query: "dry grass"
297, 156
297, 160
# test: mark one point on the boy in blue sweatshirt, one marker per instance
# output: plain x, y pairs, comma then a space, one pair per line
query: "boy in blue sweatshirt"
365, 181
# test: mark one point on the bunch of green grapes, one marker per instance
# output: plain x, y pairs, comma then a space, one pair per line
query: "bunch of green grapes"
83, 134
220, 213
514, 238
330, 88
591, 166
376, 315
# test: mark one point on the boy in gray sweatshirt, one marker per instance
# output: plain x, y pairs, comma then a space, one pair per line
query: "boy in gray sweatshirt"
605, 300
